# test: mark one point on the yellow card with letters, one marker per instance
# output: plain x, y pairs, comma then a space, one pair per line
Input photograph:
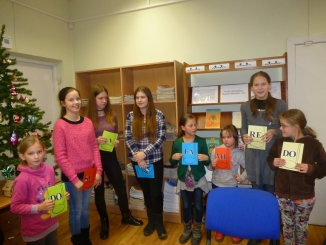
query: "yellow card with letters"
292, 154
256, 132
111, 138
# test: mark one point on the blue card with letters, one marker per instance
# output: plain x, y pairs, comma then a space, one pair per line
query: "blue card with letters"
147, 172
189, 151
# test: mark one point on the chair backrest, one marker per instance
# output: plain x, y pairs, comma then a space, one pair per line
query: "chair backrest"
243, 212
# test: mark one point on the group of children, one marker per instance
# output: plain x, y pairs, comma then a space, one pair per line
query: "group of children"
76, 149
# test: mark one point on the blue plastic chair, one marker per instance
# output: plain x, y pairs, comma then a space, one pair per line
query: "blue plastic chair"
242, 212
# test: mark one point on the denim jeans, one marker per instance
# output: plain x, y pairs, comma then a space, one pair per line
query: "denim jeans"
197, 195
264, 187
78, 208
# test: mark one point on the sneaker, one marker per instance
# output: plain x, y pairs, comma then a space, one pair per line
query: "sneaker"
219, 237
236, 240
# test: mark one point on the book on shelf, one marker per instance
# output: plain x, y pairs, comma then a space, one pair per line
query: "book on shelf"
189, 151
236, 119
223, 156
213, 118
292, 153
212, 143
256, 132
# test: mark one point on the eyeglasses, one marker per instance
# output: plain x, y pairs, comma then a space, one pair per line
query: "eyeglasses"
285, 126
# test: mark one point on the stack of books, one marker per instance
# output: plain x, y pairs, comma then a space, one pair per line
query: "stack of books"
109, 195
136, 197
128, 98
170, 171
171, 199
171, 131
130, 169
84, 102
115, 100
164, 92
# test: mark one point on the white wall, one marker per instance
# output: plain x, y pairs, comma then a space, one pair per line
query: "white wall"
41, 36
194, 31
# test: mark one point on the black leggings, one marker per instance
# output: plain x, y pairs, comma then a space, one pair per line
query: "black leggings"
152, 188
111, 168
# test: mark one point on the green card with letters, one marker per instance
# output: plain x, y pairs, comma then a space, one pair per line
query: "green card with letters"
111, 138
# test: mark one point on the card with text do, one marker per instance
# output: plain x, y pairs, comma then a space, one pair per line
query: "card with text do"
292, 153
256, 132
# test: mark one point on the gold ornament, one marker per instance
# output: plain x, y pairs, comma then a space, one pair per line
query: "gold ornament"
26, 100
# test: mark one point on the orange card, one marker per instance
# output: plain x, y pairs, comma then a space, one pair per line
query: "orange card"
89, 177
223, 156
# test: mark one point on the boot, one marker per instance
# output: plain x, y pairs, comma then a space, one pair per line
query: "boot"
196, 234
127, 218
104, 233
85, 236
150, 227
158, 221
185, 236
77, 239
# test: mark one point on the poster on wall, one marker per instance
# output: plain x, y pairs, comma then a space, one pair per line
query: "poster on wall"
205, 95
234, 93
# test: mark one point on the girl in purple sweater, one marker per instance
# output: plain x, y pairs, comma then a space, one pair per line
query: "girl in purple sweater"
37, 228
76, 150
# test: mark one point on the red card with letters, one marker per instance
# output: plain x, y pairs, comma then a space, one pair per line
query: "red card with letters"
89, 177
223, 156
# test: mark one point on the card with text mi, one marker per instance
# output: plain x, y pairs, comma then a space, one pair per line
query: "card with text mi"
57, 194
256, 132
223, 156
189, 151
111, 138
89, 177
292, 153
147, 172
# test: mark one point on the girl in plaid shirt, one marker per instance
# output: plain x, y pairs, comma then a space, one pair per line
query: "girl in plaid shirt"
145, 135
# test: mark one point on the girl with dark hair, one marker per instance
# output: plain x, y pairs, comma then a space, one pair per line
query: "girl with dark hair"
76, 150
99, 111
145, 135
262, 110
295, 190
196, 189
228, 178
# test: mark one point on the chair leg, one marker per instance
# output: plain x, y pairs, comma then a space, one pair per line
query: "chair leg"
208, 237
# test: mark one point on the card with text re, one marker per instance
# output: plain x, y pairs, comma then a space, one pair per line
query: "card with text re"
256, 132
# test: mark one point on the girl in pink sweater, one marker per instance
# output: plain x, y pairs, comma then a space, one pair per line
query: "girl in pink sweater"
76, 150
28, 198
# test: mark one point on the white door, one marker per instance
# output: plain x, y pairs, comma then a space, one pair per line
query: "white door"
307, 92
41, 82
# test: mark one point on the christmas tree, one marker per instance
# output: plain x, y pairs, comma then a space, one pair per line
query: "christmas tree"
19, 115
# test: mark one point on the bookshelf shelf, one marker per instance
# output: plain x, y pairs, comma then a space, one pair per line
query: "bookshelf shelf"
121, 81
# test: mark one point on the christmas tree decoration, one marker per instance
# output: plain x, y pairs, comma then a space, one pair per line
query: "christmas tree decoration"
48, 134
14, 139
8, 172
13, 91
36, 134
17, 111
17, 119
